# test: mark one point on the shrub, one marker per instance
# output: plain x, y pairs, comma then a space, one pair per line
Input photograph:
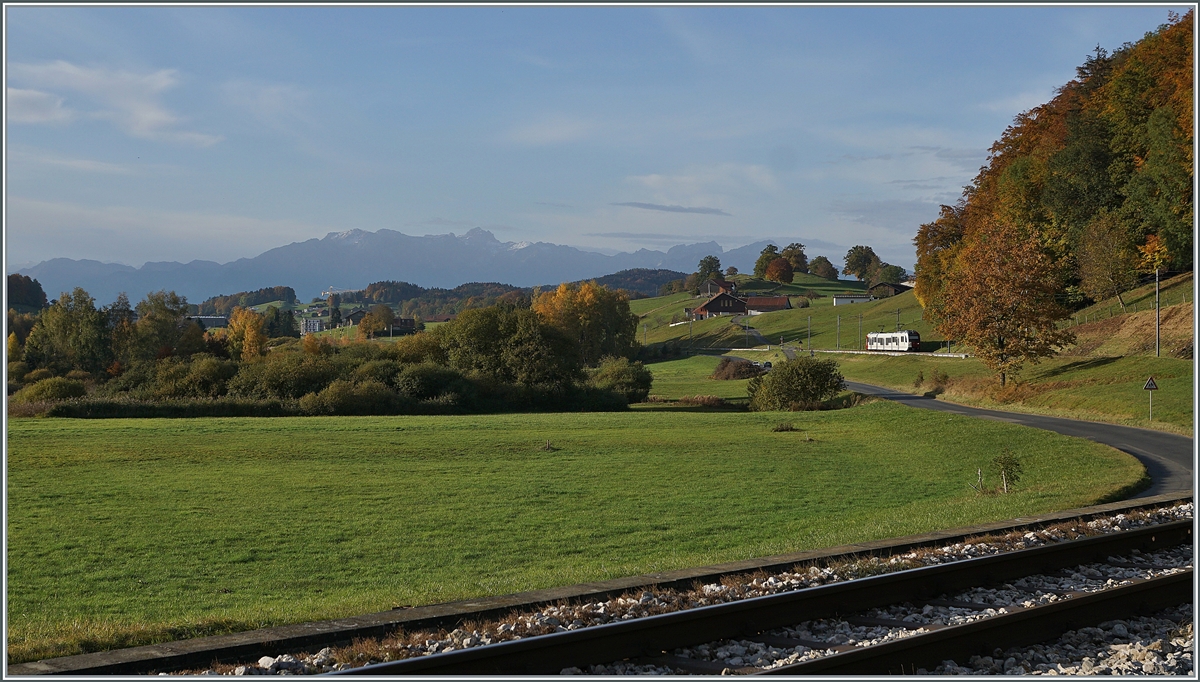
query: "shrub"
702, 400
345, 398
630, 379
79, 375
125, 408
801, 302
783, 427
383, 371
799, 384
426, 381
17, 371
731, 368
53, 389
289, 375
37, 375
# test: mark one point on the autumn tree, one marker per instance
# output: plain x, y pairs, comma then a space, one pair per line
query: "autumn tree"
779, 270
595, 317
821, 267
245, 333
708, 267
770, 253
1001, 299
794, 253
861, 261
937, 248
1154, 254
1108, 263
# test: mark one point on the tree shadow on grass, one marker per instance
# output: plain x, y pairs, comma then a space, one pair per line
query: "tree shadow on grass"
1079, 365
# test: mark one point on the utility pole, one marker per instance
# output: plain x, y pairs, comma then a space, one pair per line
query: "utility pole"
810, 348
644, 332
860, 331
1156, 314
839, 332
897, 319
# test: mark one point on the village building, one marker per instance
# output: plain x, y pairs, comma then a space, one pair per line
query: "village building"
887, 289
720, 304
757, 305
210, 321
309, 325
845, 299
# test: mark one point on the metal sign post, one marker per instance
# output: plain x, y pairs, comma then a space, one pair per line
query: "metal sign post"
1152, 387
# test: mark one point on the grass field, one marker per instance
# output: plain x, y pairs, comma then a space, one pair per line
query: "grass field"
1105, 389
124, 532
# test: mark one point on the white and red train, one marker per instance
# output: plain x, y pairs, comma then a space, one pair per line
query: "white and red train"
894, 341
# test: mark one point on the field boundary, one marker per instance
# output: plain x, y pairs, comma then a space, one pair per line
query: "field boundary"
287, 638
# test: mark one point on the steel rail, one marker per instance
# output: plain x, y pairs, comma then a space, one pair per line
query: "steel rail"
1020, 627
653, 635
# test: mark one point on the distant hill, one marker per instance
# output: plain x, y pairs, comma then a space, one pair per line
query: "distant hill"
355, 258
644, 281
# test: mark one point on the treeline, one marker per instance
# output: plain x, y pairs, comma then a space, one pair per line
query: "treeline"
412, 300
781, 266
570, 349
25, 292
223, 305
1078, 197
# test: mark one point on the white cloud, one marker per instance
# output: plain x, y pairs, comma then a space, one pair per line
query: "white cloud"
33, 106
552, 130
707, 185
41, 158
132, 101
38, 230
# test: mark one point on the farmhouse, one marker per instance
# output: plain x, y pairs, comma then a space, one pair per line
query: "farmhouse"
844, 299
720, 304
757, 305
403, 325
886, 289
355, 316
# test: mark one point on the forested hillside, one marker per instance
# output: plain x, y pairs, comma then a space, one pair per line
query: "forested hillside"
1079, 197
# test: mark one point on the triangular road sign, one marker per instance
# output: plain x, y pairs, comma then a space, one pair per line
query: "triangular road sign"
1150, 385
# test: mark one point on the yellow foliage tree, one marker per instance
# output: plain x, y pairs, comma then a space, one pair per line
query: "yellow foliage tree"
245, 333
594, 316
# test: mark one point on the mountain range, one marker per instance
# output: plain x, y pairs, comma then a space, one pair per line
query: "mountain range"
355, 258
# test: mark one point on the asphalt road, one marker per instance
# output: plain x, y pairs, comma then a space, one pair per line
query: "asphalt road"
1168, 458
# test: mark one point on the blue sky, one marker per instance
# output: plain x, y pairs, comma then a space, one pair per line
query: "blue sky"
177, 133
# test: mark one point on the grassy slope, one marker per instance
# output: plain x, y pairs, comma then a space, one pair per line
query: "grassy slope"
1097, 389
130, 531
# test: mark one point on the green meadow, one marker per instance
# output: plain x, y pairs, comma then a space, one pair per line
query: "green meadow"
125, 532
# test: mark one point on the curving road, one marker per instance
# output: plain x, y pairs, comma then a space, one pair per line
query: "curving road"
1168, 457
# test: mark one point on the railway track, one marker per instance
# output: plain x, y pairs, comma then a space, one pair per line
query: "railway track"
783, 625
367, 639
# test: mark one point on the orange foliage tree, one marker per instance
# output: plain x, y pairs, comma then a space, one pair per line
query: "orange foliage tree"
596, 317
1001, 299
780, 270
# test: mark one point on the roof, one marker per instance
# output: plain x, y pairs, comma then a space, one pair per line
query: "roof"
897, 288
763, 302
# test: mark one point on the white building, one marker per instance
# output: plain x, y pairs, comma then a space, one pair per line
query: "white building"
845, 299
309, 325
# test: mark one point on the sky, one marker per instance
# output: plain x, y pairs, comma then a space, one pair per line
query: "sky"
176, 133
